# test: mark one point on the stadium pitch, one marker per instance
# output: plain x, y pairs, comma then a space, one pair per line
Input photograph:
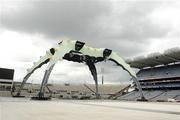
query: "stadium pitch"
26, 109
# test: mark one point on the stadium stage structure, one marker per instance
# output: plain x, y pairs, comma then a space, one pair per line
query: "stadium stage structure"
77, 51
159, 76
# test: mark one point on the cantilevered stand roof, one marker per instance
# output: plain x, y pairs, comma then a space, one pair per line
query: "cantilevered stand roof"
155, 59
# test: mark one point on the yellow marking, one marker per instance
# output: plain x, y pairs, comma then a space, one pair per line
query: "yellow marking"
50, 57
56, 49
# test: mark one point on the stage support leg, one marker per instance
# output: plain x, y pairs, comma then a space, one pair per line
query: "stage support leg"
92, 68
22, 84
142, 97
44, 81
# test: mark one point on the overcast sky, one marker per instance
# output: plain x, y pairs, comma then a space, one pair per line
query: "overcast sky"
131, 27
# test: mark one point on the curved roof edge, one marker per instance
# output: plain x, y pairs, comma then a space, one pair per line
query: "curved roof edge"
169, 56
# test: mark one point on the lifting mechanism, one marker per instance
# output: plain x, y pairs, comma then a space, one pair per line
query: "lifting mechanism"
76, 51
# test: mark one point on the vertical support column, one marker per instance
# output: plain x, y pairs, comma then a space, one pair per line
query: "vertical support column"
44, 81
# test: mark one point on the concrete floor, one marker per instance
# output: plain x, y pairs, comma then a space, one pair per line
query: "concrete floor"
25, 109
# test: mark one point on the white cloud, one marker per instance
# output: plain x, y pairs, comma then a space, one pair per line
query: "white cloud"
18, 50
166, 16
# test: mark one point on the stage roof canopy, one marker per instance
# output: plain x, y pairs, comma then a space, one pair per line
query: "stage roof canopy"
169, 56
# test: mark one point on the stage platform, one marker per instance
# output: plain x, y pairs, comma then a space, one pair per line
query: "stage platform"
55, 109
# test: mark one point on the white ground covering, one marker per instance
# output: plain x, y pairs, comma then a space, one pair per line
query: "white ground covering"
25, 109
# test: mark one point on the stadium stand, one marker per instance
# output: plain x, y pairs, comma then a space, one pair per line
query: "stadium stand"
159, 76
6, 81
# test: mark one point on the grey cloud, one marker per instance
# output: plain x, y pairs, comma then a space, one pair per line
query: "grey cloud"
57, 18
93, 21
131, 29
136, 24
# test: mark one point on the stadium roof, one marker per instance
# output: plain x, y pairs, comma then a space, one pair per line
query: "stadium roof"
155, 59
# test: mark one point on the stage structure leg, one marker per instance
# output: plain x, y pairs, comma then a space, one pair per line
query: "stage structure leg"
92, 68
142, 98
22, 84
44, 81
